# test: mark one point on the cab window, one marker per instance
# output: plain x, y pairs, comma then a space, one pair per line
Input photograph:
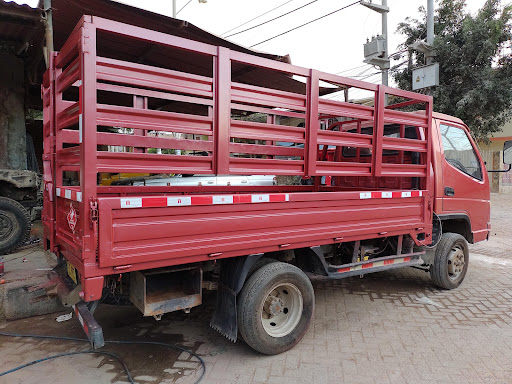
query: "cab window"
459, 152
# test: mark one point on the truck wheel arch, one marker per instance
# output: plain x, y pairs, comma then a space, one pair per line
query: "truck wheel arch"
457, 223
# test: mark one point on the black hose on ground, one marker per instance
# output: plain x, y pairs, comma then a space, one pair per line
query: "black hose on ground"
125, 367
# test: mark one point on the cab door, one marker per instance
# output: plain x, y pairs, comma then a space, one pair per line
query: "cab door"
465, 181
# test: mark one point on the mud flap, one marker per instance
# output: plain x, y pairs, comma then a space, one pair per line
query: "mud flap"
224, 319
232, 278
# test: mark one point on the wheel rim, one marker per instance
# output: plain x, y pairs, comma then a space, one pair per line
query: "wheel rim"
6, 225
456, 262
281, 310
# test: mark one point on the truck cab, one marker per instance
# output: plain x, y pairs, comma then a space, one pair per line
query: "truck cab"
462, 197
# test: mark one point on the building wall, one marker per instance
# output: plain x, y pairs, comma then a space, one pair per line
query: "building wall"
492, 154
13, 146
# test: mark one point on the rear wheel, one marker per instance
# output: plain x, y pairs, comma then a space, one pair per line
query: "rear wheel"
262, 261
275, 308
14, 225
450, 261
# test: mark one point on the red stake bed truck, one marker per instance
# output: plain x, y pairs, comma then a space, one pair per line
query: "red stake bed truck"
384, 182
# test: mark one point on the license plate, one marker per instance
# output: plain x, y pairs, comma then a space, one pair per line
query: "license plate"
72, 272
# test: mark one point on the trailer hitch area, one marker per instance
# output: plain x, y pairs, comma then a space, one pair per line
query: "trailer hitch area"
91, 327
84, 311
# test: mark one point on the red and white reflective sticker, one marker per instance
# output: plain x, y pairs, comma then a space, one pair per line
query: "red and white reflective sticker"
260, 198
131, 203
69, 194
389, 195
178, 201
228, 199
375, 264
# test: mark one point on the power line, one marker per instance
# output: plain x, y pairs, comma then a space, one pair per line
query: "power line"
366, 75
363, 72
257, 17
351, 69
181, 9
309, 22
397, 53
275, 18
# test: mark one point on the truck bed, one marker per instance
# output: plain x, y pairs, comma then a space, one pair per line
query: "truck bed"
101, 114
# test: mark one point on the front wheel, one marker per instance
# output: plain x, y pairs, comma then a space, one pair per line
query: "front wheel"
275, 308
451, 261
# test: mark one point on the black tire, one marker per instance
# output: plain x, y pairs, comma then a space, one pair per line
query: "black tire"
290, 288
14, 225
262, 261
451, 261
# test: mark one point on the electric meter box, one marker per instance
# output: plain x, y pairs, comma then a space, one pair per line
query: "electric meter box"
424, 77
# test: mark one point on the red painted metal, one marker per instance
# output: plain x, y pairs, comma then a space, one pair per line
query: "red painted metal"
179, 225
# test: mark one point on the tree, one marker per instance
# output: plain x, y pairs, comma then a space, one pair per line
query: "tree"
475, 64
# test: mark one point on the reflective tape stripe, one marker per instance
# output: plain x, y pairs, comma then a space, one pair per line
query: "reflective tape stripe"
69, 194
389, 195
178, 201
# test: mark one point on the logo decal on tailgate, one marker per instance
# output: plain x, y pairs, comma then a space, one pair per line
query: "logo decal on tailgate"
72, 218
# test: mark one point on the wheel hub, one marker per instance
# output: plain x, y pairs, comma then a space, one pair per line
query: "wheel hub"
456, 262
282, 310
274, 306
6, 225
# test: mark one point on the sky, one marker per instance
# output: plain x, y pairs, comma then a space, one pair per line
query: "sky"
333, 44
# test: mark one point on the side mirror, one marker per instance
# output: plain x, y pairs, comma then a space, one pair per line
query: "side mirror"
507, 152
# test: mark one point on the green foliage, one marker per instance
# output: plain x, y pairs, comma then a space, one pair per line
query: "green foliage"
475, 77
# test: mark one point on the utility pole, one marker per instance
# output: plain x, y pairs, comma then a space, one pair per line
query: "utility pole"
385, 34
430, 30
174, 9
427, 76
376, 50
48, 26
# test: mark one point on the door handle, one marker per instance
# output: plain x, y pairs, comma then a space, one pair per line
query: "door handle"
449, 191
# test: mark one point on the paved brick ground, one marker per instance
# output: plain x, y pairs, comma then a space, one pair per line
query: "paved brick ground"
390, 327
